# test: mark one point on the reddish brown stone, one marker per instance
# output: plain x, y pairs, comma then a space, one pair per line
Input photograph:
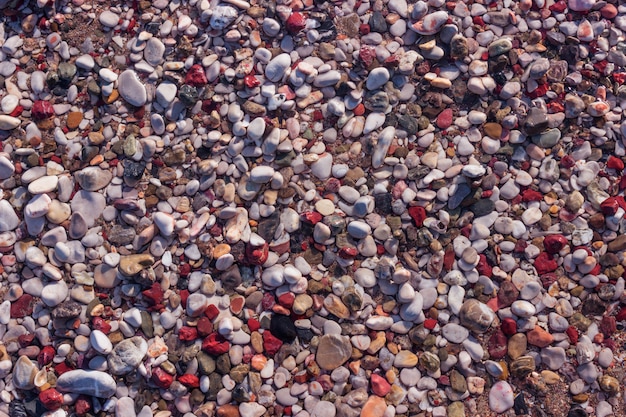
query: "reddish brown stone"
51, 399
22, 307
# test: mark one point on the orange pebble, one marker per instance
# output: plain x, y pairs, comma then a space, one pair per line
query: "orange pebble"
258, 362
359, 110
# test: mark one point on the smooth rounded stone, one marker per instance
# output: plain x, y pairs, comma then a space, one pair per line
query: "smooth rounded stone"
24, 373
8, 218
131, 89
373, 121
45, 184
108, 19
54, 293
530, 290
196, 304
333, 351
100, 342
365, 277
6, 168
127, 355
256, 128
273, 276
377, 78
499, 47
93, 178
382, 146
474, 171
93, 383
35, 257
261, 174
322, 168
125, 407
605, 357
454, 333
553, 357
89, 204
153, 52
359, 229
476, 316
581, 5
501, 397
164, 222
523, 309
277, 67
222, 16
9, 122
284, 397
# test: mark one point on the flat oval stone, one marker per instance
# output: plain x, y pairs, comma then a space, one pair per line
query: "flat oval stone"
94, 383
131, 89
276, 68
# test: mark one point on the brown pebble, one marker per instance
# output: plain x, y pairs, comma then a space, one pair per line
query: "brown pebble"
74, 119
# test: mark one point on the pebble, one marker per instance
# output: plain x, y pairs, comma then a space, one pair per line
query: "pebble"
214, 199
501, 397
131, 89
94, 383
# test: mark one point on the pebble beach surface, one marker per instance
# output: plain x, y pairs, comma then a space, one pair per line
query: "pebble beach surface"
311, 208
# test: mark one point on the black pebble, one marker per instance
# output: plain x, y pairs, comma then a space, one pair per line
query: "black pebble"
577, 412
519, 405
283, 328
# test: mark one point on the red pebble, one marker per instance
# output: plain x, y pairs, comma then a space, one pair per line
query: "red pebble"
22, 307
161, 378
184, 294
558, 7
42, 110
51, 399
609, 11
418, 214
211, 312
251, 81
554, 243
364, 29
430, 323
497, 345
204, 326
444, 120
196, 77
608, 325
380, 386
609, 206
367, 54
572, 333
25, 339
215, 344
62, 368
286, 300
508, 326
621, 315
98, 323
187, 333
544, 263
483, 266
295, 22
253, 324
448, 260
531, 195
189, 380
348, 253
615, 163
46, 355
271, 344
154, 294
82, 405
311, 217
257, 255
